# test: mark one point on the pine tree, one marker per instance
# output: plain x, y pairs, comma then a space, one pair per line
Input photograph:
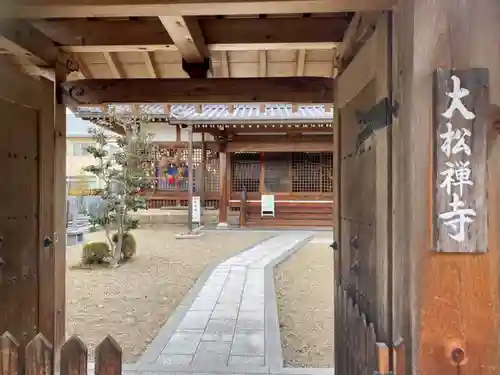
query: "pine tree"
122, 175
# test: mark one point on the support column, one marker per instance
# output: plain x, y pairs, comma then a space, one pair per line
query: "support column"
449, 300
60, 208
190, 179
223, 202
203, 171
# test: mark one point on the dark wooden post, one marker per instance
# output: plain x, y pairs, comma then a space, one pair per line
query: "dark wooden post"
223, 203
190, 179
203, 171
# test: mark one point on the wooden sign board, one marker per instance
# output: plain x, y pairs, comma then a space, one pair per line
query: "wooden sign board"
196, 210
461, 105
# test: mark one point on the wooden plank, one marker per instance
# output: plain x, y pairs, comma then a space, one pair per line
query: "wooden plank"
218, 90
262, 63
21, 39
108, 358
59, 215
361, 70
74, 357
118, 35
19, 87
149, 64
113, 64
279, 147
224, 65
460, 198
46, 249
360, 30
147, 8
301, 62
187, 36
19, 199
39, 357
9, 355
269, 31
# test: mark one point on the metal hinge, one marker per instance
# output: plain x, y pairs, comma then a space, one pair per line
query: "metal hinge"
377, 117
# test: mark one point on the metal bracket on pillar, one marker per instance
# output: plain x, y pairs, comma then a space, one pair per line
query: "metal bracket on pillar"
377, 117
198, 69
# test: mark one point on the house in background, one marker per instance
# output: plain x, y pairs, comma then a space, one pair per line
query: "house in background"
77, 140
242, 153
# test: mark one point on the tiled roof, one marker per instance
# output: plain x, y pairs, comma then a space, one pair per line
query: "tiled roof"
77, 127
220, 114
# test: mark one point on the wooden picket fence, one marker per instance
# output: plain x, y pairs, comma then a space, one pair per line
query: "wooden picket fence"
357, 351
39, 357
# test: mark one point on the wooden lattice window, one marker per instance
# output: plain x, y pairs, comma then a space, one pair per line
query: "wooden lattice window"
327, 172
212, 173
277, 176
312, 172
245, 172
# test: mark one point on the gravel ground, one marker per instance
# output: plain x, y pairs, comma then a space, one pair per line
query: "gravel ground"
132, 302
304, 292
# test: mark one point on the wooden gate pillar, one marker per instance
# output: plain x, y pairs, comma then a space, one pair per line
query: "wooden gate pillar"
447, 303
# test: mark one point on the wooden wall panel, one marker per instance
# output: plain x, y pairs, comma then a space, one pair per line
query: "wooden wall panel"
450, 296
28, 283
19, 247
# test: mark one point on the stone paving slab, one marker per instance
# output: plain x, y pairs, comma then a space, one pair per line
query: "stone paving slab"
229, 324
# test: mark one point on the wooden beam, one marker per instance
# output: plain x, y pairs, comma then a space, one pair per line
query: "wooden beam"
87, 74
218, 90
360, 30
268, 129
113, 64
21, 39
301, 62
187, 36
277, 138
153, 8
262, 64
224, 65
285, 146
82, 35
149, 64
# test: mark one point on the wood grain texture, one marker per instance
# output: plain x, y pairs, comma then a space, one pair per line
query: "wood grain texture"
449, 296
218, 90
74, 357
45, 241
148, 8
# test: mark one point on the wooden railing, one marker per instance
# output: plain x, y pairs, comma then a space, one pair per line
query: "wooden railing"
37, 358
163, 195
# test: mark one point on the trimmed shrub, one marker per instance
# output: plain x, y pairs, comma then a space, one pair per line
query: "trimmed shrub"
129, 246
95, 253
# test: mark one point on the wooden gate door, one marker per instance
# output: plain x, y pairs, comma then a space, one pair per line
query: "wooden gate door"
27, 286
363, 298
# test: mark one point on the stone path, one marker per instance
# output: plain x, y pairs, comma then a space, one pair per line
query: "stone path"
230, 322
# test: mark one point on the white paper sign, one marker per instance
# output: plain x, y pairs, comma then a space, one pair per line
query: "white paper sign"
196, 209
